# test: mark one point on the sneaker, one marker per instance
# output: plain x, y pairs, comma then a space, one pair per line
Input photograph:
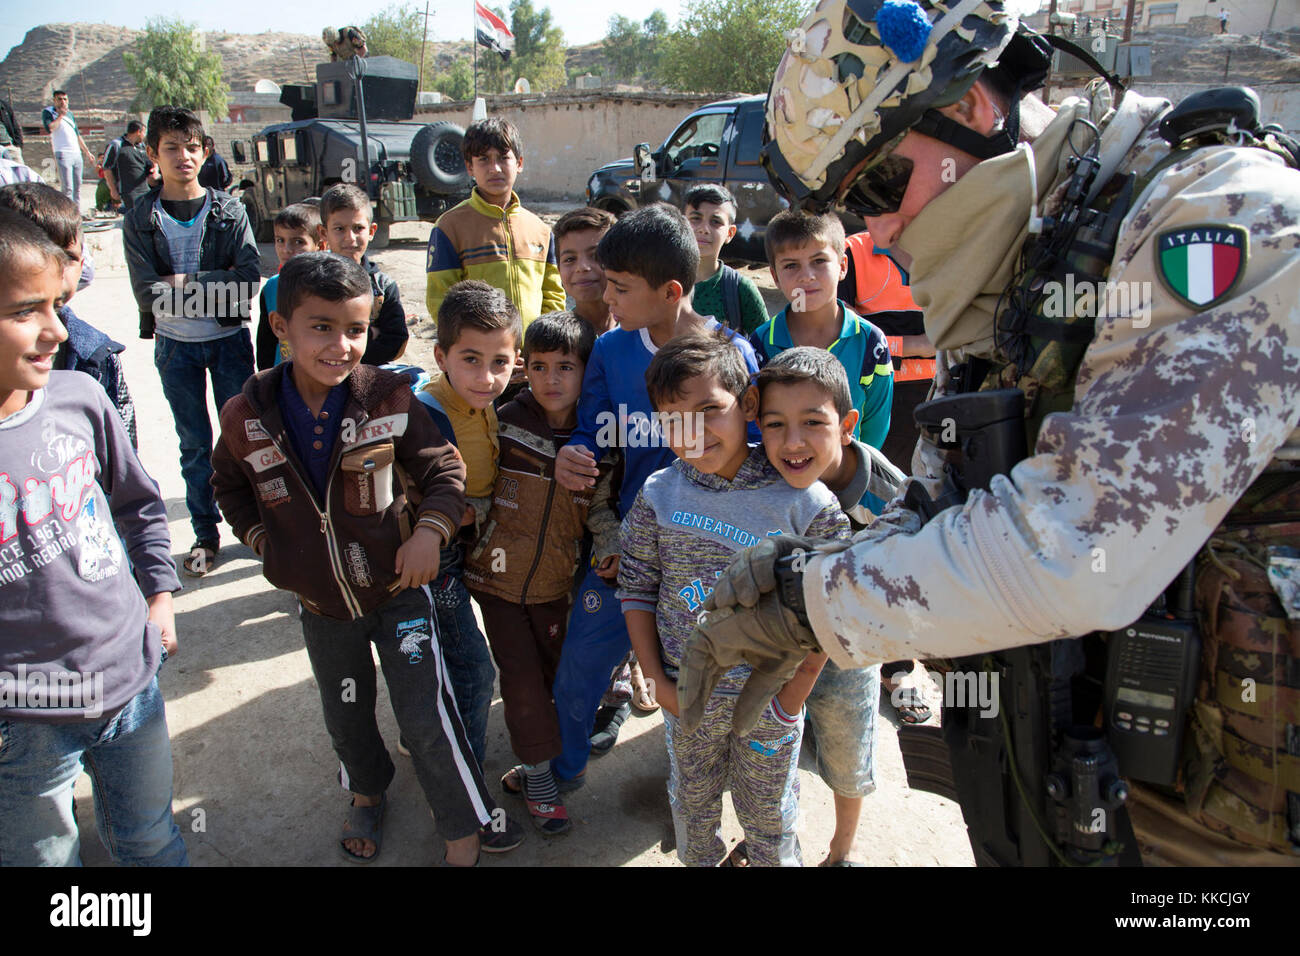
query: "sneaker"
604, 734
492, 840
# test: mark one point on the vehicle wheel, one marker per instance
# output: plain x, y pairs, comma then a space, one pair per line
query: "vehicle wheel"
437, 160
380, 239
614, 207
263, 230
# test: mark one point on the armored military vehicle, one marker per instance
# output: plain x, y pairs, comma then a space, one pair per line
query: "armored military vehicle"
353, 125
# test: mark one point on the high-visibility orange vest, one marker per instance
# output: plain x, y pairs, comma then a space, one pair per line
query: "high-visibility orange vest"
879, 287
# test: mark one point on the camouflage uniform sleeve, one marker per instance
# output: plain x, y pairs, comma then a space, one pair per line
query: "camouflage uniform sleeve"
1178, 409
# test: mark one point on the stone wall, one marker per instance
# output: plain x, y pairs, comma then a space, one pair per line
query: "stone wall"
1279, 103
568, 135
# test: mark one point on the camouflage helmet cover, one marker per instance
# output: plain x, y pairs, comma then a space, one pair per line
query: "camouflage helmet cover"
841, 92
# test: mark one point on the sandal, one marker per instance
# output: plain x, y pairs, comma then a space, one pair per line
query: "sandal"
642, 699
739, 856
551, 818
911, 708
364, 823
512, 782
202, 558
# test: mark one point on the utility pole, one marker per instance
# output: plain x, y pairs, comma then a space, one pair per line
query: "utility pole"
1128, 22
1051, 29
419, 84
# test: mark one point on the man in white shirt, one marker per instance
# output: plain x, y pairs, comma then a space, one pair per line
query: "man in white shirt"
65, 139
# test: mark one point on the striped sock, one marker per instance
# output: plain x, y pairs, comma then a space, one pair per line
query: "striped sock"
539, 783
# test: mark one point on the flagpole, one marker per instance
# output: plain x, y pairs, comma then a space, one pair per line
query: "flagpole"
473, 39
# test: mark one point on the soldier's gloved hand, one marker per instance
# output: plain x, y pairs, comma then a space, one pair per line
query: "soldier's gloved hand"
752, 572
768, 637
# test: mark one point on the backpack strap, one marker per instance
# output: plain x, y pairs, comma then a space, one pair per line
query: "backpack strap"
731, 297
438, 414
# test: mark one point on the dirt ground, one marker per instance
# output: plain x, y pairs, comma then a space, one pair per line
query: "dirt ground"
255, 775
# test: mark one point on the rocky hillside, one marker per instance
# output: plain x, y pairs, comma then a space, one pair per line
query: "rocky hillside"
86, 59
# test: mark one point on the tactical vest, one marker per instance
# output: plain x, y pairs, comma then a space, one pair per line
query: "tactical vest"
1241, 764
879, 287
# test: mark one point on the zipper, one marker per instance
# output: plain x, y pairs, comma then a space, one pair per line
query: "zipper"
510, 259
331, 543
537, 552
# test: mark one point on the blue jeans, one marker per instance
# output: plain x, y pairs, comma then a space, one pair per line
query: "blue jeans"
129, 759
465, 650
184, 368
595, 642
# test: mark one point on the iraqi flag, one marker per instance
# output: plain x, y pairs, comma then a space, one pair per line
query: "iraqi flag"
491, 31
1201, 264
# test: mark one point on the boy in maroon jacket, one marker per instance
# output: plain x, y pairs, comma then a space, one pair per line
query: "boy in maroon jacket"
345, 488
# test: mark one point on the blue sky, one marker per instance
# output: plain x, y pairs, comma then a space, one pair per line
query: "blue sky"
447, 20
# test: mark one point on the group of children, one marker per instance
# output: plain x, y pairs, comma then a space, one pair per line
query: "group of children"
586, 500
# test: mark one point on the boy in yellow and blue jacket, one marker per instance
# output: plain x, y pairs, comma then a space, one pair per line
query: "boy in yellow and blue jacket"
490, 236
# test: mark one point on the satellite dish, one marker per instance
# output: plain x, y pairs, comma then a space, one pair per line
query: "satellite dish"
266, 86
521, 86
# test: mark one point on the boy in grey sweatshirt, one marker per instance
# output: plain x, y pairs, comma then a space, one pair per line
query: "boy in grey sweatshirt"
85, 614
689, 521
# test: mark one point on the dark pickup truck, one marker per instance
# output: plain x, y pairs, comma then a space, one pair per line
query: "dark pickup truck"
718, 143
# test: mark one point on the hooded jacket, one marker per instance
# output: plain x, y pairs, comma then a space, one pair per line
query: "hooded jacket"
91, 351
529, 547
391, 470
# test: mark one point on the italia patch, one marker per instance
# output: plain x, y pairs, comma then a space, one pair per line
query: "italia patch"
1201, 265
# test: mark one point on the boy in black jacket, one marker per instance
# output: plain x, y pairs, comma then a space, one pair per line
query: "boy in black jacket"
194, 270
346, 229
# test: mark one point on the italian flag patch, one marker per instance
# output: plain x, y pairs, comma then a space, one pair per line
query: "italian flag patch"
1201, 265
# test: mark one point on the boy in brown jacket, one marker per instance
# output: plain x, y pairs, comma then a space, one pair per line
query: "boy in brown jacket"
521, 571
329, 471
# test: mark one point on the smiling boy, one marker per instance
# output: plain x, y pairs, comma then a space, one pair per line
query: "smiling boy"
649, 257
577, 235
689, 520
490, 236
83, 527
189, 246
807, 419
319, 465
720, 290
479, 332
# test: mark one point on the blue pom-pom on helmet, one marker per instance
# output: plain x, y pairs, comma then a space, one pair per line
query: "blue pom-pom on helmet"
904, 29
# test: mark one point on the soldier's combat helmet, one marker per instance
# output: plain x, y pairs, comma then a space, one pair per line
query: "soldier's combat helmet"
858, 74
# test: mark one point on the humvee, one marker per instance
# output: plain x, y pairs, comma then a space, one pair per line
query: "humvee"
357, 108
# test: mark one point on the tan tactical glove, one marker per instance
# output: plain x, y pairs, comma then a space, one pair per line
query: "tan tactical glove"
753, 572
767, 637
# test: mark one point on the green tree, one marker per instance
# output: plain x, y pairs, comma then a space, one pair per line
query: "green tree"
171, 68
456, 83
633, 49
539, 46
623, 46
728, 45
654, 29
397, 31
